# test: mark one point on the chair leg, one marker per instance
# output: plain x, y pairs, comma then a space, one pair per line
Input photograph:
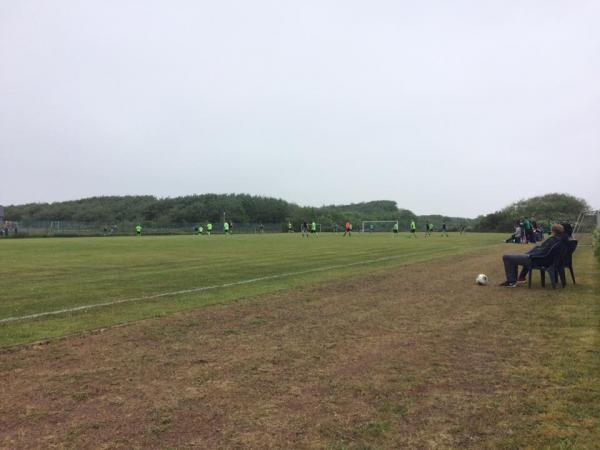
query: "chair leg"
562, 275
543, 275
572, 274
553, 277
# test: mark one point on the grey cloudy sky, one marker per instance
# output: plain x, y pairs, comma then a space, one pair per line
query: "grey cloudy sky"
454, 107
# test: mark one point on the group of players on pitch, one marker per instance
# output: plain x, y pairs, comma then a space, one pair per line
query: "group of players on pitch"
311, 228
428, 229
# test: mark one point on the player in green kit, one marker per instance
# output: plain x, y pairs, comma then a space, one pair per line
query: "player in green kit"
395, 229
138, 230
208, 228
313, 228
413, 228
289, 226
226, 227
200, 230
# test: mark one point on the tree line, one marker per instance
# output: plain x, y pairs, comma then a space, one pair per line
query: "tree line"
193, 209
545, 209
243, 208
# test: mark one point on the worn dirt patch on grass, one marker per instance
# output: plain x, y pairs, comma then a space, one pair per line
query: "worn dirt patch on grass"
416, 357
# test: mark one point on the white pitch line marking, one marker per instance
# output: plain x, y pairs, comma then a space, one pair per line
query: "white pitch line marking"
203, 288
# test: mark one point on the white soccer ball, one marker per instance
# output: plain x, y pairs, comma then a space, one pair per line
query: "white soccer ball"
481, 279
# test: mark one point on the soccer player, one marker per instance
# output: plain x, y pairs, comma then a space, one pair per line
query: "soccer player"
348, 229
289, 226
313, 228
395, 229
304, 229
226, 227
208, 228
200, 230
138, 230
413, 228
444, 230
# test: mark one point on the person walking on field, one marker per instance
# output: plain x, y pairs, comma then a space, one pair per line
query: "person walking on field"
348, 229
429, 229
395, 229
208, 228
413, 228
226, 227
304, 229
138, 230
444, 230
313, 228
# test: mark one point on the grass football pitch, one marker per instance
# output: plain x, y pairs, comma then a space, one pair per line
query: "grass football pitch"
55, 287
373, 342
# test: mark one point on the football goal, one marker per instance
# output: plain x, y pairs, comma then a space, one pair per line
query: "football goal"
586, 221
378, 225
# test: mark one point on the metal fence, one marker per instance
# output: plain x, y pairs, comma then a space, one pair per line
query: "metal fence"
67, 229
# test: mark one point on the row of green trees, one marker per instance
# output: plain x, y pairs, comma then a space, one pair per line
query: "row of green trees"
544, 209
244, 208
192, 209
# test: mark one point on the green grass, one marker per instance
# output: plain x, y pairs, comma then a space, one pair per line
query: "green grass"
42, 275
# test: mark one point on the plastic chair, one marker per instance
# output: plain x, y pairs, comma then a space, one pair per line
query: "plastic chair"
555, 257
567, 262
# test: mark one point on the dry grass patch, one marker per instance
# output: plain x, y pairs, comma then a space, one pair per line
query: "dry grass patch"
413, 357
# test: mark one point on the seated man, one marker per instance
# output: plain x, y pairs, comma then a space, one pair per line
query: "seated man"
513, 261
568, 230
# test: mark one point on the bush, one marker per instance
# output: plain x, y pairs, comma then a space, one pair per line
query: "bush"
596, 243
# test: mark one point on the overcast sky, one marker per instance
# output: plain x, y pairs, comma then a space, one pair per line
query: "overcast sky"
453, 107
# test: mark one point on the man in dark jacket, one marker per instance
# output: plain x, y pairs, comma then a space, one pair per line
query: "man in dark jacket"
544, 250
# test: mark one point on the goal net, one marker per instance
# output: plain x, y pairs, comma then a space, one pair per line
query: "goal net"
586, 222
378, 226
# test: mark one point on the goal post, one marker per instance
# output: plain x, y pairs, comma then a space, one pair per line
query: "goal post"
586, 222
378, 225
